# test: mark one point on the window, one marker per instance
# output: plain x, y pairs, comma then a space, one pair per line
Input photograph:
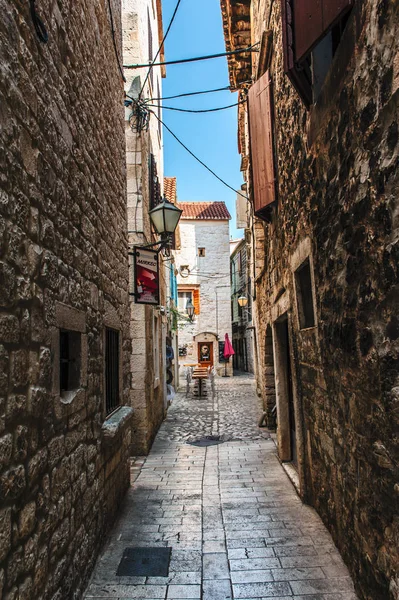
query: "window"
260, 111
201, 252
70, 360
183, 298
311, 34
153, 182
184, 295
111, 369
303, 284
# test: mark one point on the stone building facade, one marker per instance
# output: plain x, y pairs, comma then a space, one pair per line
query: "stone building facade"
323, 125
149, 327
243, 335
64, 335
203, 268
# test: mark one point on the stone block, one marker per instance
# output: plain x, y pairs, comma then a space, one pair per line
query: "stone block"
12, 483
5, 532
9, 329
27, 519
5, 450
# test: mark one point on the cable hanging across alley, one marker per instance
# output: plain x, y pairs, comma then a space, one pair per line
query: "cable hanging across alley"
111, 18
203, 110
196, 157
38, 24
151, 65
253, 48
223, 89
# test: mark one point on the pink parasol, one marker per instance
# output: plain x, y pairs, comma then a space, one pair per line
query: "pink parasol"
227, 352
228, 348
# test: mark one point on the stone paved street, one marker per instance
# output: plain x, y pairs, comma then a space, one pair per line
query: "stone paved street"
236, 527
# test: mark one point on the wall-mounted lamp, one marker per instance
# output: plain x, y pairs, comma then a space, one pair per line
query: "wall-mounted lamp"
242, 301
190, 310
165, 218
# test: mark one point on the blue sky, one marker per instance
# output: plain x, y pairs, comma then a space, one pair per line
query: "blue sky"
197, 31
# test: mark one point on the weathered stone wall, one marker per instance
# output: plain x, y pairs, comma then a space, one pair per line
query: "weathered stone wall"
338, 181
147, 393
63, 466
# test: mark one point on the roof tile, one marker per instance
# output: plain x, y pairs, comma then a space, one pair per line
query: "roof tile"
169, 187
204, 210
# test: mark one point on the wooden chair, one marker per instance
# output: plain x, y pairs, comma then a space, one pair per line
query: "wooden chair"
189, 378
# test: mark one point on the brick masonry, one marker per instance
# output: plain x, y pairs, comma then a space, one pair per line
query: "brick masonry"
337, 168
63, 467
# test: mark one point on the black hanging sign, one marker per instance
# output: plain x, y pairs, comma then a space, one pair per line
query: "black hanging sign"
146, 276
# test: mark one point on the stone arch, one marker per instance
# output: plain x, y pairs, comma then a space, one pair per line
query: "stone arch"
270, 383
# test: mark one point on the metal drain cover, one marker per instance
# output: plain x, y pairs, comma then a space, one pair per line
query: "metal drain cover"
209, 440
144, 562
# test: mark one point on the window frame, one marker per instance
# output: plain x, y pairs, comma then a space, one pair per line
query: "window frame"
301, 297
113, 405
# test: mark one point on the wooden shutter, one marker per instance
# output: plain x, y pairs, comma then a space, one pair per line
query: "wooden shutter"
304, 24
196, 301
298, 76
260, 110
313, 19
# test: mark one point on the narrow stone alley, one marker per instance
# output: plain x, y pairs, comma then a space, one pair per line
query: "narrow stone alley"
228, 512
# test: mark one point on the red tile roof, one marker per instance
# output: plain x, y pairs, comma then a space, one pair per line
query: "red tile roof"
169, 189
204, 210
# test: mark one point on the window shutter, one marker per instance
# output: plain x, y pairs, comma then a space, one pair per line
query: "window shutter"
261, 143
312, 20
196, 301
296, 74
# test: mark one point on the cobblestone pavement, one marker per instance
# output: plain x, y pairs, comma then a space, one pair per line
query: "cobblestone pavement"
236, 527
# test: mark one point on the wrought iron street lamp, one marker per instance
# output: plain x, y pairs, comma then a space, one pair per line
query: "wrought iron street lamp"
165, 217
190, 310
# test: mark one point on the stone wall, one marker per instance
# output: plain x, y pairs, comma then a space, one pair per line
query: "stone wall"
63, 465
147, 393
337, 170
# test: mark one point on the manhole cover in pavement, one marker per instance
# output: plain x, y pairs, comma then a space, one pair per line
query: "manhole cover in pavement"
145, 562
209, 440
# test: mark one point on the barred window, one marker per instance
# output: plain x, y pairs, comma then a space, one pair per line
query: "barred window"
111, 370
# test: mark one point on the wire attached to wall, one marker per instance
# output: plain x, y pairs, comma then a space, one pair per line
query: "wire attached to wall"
160, 46
196, 157
38, 24
111, 18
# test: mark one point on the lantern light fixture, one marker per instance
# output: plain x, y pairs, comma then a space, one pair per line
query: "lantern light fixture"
242, 301
190, 310
165, 218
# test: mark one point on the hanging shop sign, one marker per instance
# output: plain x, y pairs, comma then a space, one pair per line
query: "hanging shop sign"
146, 276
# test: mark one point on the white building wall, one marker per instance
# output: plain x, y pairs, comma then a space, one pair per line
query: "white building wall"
212, 274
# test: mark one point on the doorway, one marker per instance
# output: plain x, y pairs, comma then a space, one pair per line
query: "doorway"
286, 424
205, 354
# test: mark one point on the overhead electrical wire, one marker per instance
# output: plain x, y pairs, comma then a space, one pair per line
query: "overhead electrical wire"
196, 157
202, 110
194, 59
151, 65
223, 89
111, 18
38, 24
